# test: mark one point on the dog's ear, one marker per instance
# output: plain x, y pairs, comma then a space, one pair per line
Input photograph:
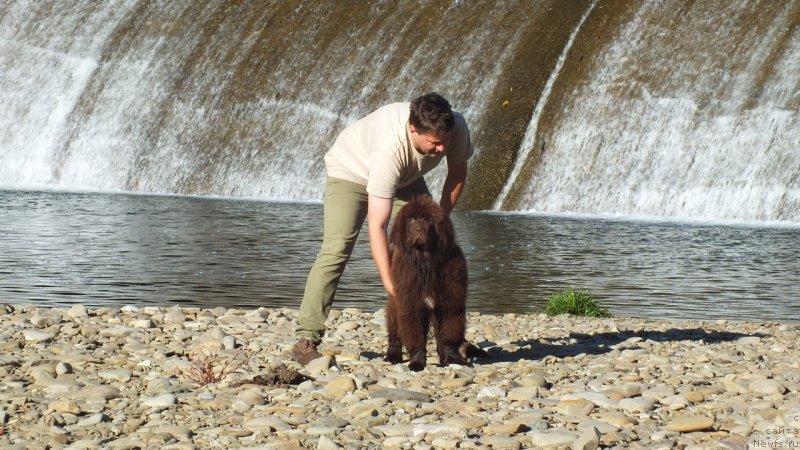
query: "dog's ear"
398, 234
445, 233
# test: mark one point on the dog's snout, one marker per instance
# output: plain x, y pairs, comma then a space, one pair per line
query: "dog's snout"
418, 230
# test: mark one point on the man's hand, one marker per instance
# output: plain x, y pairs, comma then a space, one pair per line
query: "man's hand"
378, 212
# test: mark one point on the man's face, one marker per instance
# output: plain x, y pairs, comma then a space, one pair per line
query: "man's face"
429, 144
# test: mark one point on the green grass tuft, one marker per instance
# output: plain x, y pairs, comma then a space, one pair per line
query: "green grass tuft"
577, 303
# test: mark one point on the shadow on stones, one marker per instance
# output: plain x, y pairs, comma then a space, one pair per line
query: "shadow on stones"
376, 355
601, 343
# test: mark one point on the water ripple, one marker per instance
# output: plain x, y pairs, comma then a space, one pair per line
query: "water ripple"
113, 249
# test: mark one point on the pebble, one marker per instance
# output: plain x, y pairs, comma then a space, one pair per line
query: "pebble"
104, 393
118, 375
44, 318
63, 368
617, 419
524, 393
659, 392
589, 439
159, 402
64, 406
597, 398
467, 423
685, 424
267, 424
767, 387
251, 397
94, 419
533, 380
83, 377
552, 438
602, 427
455, 383
142, 323
576, 407
78, 312
36, 336
175, 316
502, 443
636, 405
402, 394
321, 364
491, 391
504, 428
338, 387
326, 443
695, 396
126, 443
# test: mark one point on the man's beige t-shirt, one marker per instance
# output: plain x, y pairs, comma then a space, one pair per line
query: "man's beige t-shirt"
376, 151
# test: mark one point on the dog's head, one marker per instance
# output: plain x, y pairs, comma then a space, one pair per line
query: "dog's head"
422, 225
420, 233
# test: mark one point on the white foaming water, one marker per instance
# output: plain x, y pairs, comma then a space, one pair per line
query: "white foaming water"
529, 139
644, 219
710, 134
214, 98
46, 66
43, 117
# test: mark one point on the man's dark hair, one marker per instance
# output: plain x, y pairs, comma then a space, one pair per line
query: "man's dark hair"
431, 113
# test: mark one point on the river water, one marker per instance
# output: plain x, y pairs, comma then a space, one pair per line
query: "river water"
109, 249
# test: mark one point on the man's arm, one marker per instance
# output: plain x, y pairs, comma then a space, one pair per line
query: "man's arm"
378, 213
453, 185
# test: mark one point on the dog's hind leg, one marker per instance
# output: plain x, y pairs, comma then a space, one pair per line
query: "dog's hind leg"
451, 312
450, 335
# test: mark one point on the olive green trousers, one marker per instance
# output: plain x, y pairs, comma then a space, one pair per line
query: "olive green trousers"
344, 211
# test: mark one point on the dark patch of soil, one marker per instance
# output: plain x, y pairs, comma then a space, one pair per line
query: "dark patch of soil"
278, 375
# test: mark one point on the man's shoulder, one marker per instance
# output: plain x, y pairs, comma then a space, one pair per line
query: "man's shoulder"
385, 116
459, 118
398, 105
399, 109
460, 126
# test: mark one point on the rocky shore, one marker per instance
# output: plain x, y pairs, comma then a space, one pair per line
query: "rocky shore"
130, 378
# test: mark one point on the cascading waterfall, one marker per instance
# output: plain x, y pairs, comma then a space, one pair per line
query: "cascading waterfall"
225, 98
530, 133
597, 107
687, 112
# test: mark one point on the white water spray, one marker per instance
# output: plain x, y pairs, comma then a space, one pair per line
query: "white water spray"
529, 139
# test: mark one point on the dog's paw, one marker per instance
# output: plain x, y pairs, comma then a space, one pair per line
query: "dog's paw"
451, 355
418, 360
393, 358
416, 366
468, 350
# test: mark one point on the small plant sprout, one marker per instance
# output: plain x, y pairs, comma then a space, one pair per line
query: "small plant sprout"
204, 370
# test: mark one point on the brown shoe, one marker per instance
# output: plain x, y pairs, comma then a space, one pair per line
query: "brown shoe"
305, 351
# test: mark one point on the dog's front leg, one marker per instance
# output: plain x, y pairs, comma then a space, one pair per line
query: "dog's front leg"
415, 335
394, 352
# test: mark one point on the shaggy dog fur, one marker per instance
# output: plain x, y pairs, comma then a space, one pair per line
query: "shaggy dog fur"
429, 273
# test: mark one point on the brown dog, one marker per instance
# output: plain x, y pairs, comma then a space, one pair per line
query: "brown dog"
429, 272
